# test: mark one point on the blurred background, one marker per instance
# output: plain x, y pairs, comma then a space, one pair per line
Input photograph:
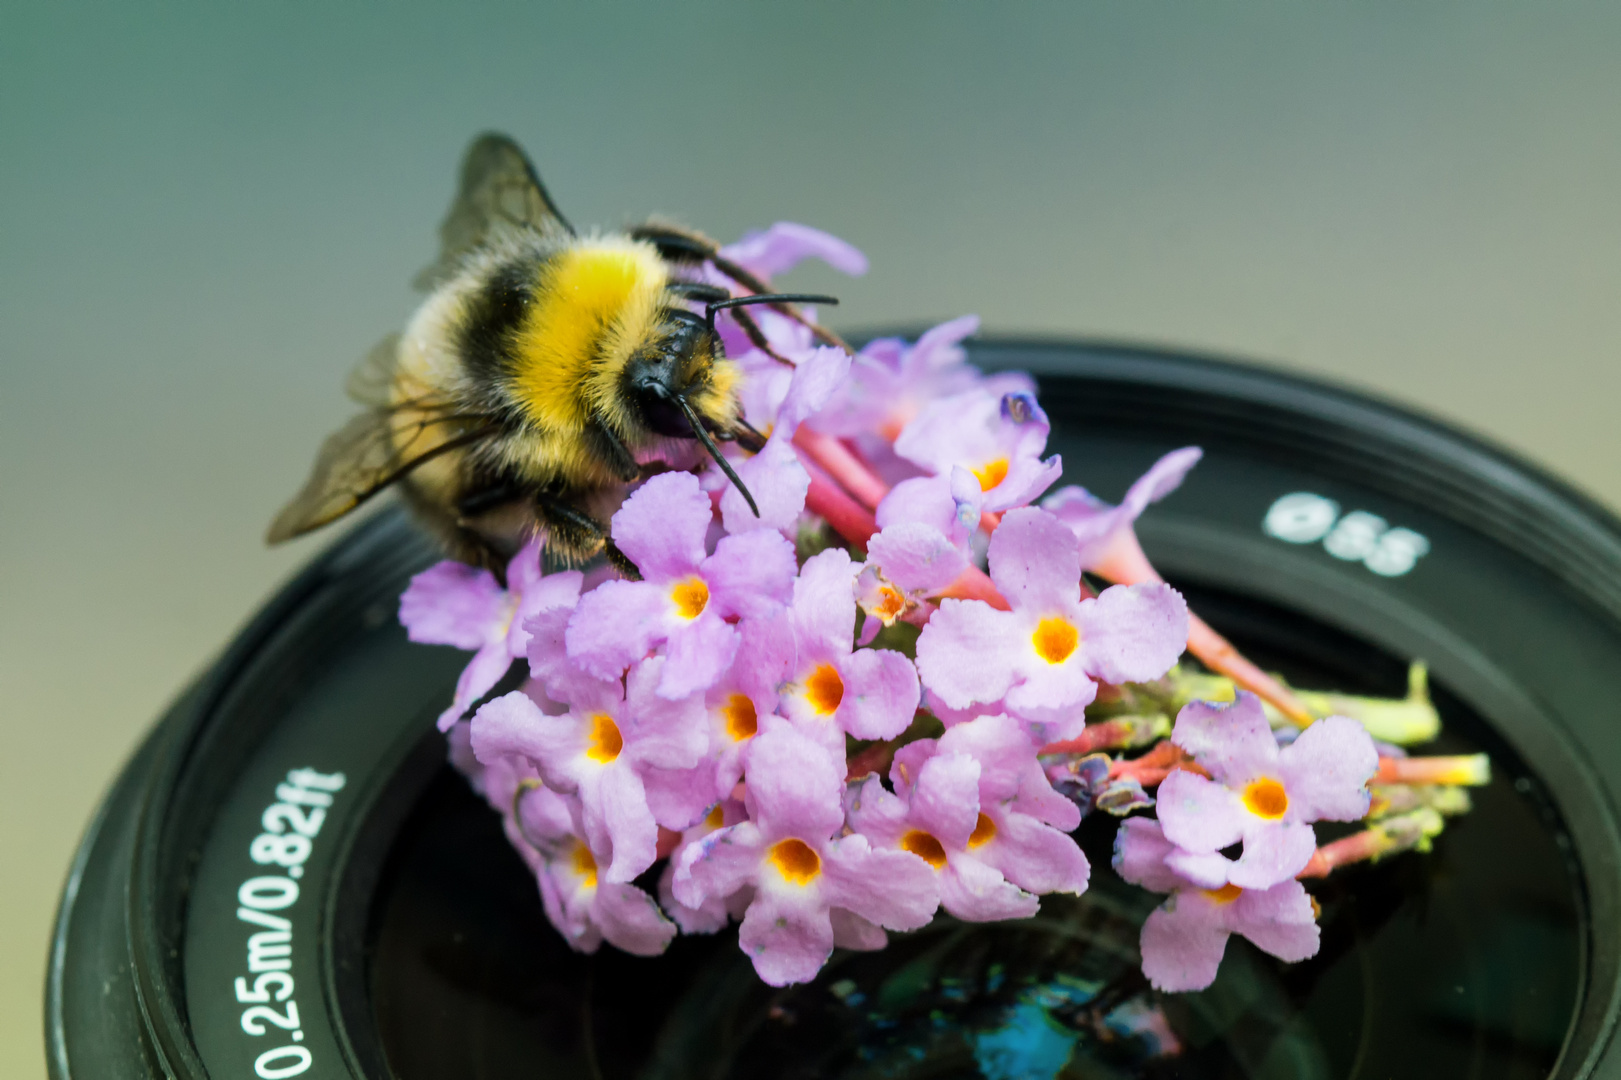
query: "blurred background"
207, 215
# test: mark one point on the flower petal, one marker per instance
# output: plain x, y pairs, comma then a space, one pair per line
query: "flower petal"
1200, 815
1326, 770
679, 798
451, 603
1140, 850
512, 724
1233, 741
1035, 857
1035, 562
1206, 869
696, 655
895, 889
824, 610
615, 625
787, 935
478, 678
1279, 920
965, 653
751, 573
630, 920
945, 798
560, 590
880, 694
1133, 633
916, 558
620, 805
975, 892
778, 483
1274, 851
1026, 479
661, 526
785, 244
794, 786
718, 865
851, 931
1183, 942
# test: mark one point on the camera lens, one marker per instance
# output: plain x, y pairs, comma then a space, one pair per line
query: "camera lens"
289, 879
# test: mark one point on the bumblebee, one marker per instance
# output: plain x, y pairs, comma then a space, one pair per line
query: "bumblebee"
540, 376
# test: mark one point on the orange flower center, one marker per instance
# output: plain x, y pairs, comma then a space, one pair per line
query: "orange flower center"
1266, 798
795, 861
1055, 639
892, 604
606, 742
716, 818
690, 596
824, 689
991, 473
984, 832
1224, 895
585, 865
925, 847
741, 719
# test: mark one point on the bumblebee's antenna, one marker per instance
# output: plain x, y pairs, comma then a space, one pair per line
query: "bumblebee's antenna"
764, 298
714, 452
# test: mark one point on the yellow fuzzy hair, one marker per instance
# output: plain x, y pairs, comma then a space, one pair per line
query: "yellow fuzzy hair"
596, 303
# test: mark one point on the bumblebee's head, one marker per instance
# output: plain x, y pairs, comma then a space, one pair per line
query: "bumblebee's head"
669, 377
666, 376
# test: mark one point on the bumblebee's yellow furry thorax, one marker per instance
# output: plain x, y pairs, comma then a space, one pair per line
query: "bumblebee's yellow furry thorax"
595, 302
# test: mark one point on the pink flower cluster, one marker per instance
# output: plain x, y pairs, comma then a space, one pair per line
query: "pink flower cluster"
715, 714
1257, 794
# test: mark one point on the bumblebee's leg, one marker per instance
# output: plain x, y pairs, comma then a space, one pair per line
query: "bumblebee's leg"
483, 500
576, 536
608, 447
684, 247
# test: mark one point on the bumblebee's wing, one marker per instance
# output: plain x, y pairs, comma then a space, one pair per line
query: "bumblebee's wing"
370, 452
499, 190
372, 380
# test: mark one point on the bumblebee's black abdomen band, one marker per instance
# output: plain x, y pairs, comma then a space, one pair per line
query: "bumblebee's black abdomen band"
496, 312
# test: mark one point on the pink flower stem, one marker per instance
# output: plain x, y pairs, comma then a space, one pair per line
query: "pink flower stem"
848, 518
1367, 844
974, 584
1105, 735
1470, 769
1124, 563
1411, 830
849, 515
844, 467
1153, 766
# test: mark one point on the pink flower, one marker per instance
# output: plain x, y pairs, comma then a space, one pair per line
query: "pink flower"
801, 870
775, 475
1095, 522
891, 381
997, 439
977, 808
1183, 940
453, 604
836, 689
616, 743
686, 600
906, 563
1260, 794
1043, 656
786, 244
951, 504
715, 911
747, 694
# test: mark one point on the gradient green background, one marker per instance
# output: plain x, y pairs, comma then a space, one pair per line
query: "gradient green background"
207, 215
